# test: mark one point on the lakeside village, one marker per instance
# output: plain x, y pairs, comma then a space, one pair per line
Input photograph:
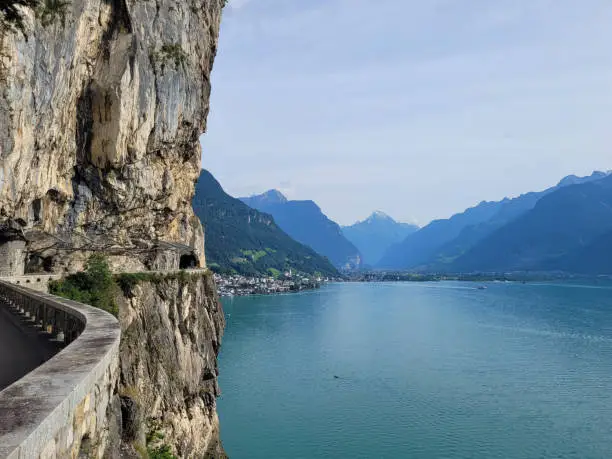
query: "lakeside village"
288, 282
238, 285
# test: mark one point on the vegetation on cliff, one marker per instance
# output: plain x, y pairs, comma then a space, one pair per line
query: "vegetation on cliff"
124, 180
171, 328
99, 287
94, 286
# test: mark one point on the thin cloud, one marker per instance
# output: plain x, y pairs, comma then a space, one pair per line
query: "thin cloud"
421, 108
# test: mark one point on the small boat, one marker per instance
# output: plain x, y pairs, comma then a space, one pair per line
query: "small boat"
482, 287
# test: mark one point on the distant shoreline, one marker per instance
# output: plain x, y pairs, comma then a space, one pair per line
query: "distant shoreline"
473, 277
238, 285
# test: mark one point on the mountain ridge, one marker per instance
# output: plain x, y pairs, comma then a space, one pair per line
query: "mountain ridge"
560, 228
247, 241
374, 235
438, 244
304, 221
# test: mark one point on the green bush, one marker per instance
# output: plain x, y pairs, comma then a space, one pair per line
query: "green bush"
95, 286
161, 452
170, 52
156, 448
98, 286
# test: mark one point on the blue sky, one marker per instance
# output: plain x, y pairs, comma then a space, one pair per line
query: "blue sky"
417, 108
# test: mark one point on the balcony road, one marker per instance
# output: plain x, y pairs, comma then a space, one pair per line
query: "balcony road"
20, 349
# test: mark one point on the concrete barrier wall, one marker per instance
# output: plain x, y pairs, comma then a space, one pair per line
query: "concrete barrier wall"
38, 282
61, 409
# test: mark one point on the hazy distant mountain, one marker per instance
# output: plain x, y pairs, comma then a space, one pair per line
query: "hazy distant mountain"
246, 240
437, 245
568, 229
376, 234
575, 180
508, 210
418, 248
594, 258
305, 222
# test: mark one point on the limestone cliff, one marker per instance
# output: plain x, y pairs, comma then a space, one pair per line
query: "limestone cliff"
101, 106
102, 103
171, 333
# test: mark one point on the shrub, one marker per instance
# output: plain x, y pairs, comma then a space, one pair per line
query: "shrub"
172, 52
161, 452
156, 448
98, 286
95, 286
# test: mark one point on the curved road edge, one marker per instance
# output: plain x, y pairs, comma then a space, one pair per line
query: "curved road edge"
63, 402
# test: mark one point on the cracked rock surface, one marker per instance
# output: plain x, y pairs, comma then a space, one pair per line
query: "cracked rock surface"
100, 114
171, 333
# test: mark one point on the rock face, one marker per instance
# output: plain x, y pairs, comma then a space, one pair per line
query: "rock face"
101, 109
102, 103
171, 334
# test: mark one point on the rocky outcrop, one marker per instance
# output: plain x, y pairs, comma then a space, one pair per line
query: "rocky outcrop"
171, 334
102, 103
101, 107
143, 387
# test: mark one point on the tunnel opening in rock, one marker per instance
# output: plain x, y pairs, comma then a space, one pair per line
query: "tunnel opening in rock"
37, 263
188, 261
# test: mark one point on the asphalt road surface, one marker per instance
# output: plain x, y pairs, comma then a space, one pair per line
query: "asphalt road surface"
20, 350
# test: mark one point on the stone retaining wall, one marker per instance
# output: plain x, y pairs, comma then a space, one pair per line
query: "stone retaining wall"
62, 408
38, 282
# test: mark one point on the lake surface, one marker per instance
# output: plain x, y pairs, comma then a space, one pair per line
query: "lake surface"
419, 370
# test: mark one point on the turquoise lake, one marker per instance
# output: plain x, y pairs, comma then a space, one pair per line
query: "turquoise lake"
419, 370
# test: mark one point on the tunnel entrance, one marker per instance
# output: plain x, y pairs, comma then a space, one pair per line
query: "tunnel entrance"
38, 264
188, 261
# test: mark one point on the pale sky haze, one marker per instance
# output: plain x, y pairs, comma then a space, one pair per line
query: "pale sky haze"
417, 108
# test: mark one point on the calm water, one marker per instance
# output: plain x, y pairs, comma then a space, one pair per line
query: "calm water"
408, 370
